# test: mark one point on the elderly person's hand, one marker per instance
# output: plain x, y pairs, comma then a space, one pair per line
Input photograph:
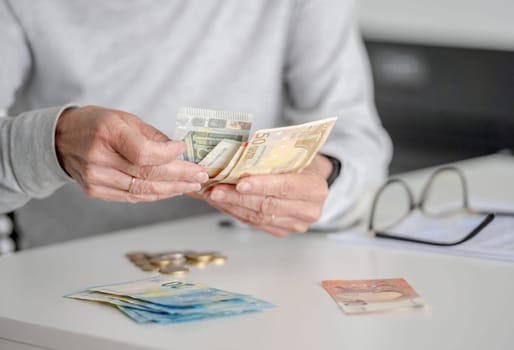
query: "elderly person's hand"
115, 156
277, 204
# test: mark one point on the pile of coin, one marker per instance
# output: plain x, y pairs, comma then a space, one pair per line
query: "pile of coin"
175, 263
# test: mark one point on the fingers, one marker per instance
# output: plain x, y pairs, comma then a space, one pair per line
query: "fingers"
278, 204
279, 226
290, 186
97, 176
177, 170
114, 155
115, 195
132, 144
267, 205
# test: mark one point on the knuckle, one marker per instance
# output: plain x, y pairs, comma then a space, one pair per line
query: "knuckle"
312, 214
323, 192
90, 191
299, 227
93, 151
147, 172
87, 173
132, 198
268, 205
285, 188
321, 187
255, 217
143, 187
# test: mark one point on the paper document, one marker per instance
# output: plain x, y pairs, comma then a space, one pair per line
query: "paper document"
495, 241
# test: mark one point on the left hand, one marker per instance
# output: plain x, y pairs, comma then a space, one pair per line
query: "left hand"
278, 204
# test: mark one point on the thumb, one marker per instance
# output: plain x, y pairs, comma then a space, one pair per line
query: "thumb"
133, 143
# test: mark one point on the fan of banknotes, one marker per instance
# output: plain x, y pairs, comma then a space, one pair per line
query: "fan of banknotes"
218, 140
164, 300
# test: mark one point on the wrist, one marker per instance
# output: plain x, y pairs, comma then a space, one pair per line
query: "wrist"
335, 169
60, 132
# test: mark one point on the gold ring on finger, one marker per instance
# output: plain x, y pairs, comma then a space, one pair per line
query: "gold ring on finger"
132, 182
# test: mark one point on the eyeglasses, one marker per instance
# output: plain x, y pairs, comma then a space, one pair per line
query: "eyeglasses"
439, 209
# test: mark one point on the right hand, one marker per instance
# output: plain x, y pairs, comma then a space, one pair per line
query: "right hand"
115, 156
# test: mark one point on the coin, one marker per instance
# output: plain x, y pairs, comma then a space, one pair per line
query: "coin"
149, 268
140, 263
136, 255
198, 264
174, 270
178, 255
160, 262
199, 256
219, 259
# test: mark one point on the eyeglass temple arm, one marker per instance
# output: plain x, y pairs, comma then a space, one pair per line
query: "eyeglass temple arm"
458, 172
379, 193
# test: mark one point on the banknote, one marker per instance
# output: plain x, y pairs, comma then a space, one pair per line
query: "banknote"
202, 129
163, 299
368, 296
218, 142
168, 291
220, 157
237, 305
281, 150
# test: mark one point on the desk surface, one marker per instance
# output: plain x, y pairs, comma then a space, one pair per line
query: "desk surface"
471, 305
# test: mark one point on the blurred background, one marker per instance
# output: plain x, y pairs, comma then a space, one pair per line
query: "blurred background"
444, 80
444, 77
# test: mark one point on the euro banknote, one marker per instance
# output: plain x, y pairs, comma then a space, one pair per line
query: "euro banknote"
162, 299
369, 296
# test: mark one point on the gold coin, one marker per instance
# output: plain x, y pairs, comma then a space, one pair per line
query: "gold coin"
219, 259
173, 255
198, 264
149, 268
135, 255
160, 262
199, 257
174, 270
141, 262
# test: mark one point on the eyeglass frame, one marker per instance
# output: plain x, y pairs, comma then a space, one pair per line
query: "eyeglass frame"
413, 205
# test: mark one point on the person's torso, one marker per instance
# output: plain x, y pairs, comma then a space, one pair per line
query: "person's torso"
150, 57
147, 58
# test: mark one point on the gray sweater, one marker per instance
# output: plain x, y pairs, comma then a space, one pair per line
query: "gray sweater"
285, 61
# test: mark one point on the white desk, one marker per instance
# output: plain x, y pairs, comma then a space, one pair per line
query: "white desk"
471, 300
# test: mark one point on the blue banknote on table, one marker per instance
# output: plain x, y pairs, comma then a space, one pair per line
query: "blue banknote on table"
164, 300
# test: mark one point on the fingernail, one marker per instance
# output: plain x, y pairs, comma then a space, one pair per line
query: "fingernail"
217, 195
244, 186
201, 177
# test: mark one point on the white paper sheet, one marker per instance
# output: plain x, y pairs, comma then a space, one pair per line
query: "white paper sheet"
495, 241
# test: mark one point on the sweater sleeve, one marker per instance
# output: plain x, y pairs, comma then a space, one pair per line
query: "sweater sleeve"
328, 75
28, 161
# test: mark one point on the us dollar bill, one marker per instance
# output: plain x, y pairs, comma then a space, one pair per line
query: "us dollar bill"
202, 129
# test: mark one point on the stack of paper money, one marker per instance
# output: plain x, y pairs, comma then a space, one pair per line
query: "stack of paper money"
164, 300
218, 140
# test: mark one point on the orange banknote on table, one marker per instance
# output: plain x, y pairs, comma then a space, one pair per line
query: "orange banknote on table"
367, 296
